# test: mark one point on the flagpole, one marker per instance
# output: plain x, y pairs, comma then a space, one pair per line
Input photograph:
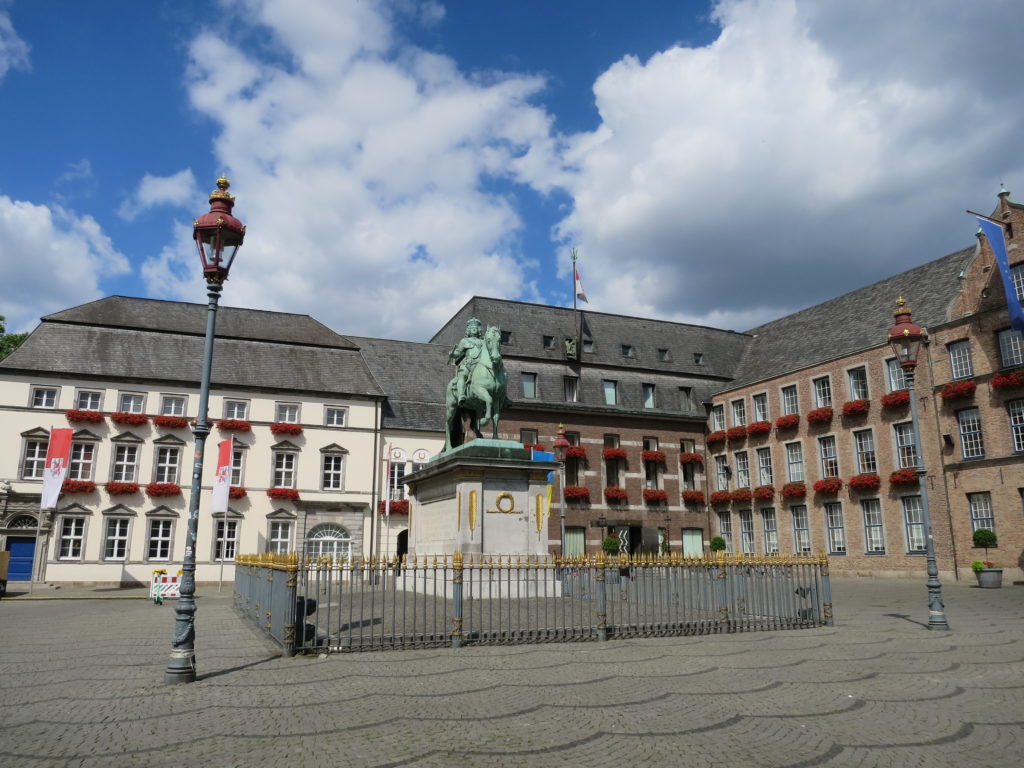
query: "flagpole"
575, 315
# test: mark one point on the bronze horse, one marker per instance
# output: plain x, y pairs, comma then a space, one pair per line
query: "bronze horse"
485, 395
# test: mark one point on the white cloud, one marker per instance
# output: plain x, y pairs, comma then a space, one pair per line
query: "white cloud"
13, 50
178, 189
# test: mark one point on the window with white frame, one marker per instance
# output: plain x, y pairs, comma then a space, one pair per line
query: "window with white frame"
335, 416
529, 381
858, 381
126, 464
611, 392
158, 546
237, 468
972, 444
739, 413
981, 511
279, 541
651, 468
332, 472
83, 457
835, 528
236, 409
770, 527
725, 529
72, 536
765, 476
168, 463
33, 460
1015, 410
960, 366
570, 388
829, 460
718, 418
747, 531
328, 540
790, 401
115, 542
721, 473
612, 467
288, 413
864, 444
801, 529
874, 533
822, 392
913, 523
1011, 348
44, 397
742, 462
795, 462
284, 469
760, 407
647, 392
226, 540
88, 400
1017, 278
396, 484
905, 448
131, 402
172, 405
896, 378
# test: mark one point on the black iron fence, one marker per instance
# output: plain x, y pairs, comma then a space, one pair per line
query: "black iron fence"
369, 604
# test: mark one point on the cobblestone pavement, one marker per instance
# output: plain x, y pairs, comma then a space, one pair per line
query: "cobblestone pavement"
81, 685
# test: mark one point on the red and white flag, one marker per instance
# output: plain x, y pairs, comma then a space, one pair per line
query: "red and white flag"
580, 293
222, 481
58, 456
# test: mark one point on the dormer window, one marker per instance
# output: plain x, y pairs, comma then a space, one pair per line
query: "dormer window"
588, 345
663, 355
506, 337
627, 350
549, 342
698, 358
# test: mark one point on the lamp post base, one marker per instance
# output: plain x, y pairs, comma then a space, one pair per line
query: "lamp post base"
181, 669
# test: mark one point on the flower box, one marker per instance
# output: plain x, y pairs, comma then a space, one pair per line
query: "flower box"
283, 494
736, 433
614, 453
655, 496
866, 482
721, 497
715, 437
764, 492
759, 428
398, 507
119, 488
958, 390
829, 485
171, 422
281, 428
1011, 380
741, 494
237, 492
856, 407
535, 447
789, 421
576, 493
794, 490
898, 399
163, 489
75, 415
576, 452
819, 416
234, 425
615, 493
693, 497
129, 419
655, 457
691, 458
904, 477
78, 486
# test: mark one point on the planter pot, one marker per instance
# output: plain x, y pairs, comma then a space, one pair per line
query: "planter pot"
990, 578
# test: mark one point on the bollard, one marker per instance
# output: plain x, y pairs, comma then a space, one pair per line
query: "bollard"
602, 599
457, 600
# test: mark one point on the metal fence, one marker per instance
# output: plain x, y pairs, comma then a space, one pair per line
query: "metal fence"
369, 604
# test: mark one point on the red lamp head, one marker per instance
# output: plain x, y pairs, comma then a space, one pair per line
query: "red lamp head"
906, 336
561, 444
218, 234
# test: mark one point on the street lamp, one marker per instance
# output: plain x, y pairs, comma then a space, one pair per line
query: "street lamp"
218, 236
561, 448
905, 339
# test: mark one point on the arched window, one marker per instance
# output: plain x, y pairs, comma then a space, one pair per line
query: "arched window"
330, 540
22, 521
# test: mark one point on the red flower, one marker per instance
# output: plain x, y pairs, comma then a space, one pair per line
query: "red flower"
576, 452
283, 494
281, 428
691, 458
234, 425
78, 486
956, 390
171, 422
736, 433
764, 492
693, 497
237, 492
398, 507
866, 482
75, 415
829, 485
742, 494
759, 428
614, 493
655, 496
133, 419
577, 493
1010, 380
856, 407
716, 437
614, 453
794, 491
163, 489
904, 477
117, 488
819, 416
535, 447
898, 399
721, 497
657, 457
789, 421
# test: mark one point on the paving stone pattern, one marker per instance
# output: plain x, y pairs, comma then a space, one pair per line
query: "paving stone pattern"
81, 685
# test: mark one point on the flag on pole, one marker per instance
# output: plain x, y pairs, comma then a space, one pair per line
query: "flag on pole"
997, 240
58, 456
222, 481
580, 293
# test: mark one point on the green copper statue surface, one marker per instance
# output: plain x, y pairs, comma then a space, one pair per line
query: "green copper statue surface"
476, 394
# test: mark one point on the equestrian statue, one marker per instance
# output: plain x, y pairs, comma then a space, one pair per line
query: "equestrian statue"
476, 394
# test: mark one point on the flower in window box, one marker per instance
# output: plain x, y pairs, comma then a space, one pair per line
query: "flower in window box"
398, 507
577, 493
819, 416
789, 421
1011, 380
690, 458
654, 457
829, 485
615, 493
129, 419
898, 399
764, 492
957, 390
576, 452
856, 407
865, 482
284, 494
163, 489
614, 453
759, 428
78, 486
234, 425
715, 437
655, 496
741, 494
794, 491
535, 447
736, 433
74, 415
904, 477
118, 488
237, 492
693, 497
721, 497
171, 422
282, 428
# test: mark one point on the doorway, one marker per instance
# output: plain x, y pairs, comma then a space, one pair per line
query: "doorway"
23, 551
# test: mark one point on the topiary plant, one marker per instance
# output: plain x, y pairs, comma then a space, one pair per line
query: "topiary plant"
717, 544
983, 537
610, 544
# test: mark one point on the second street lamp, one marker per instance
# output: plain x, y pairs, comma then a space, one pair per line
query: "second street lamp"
561, 447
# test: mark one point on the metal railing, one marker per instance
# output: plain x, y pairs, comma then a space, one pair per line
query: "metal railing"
455, 600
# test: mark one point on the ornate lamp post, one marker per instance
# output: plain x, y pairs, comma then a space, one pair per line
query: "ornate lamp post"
561, 446
218, 236
905, 338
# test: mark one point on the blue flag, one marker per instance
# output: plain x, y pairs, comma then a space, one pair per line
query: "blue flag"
994, 235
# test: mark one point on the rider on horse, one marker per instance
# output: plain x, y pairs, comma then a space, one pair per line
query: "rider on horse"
466, 355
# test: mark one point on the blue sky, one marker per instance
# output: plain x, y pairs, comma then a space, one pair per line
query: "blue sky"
720, 162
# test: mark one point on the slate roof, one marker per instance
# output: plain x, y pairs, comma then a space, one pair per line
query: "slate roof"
414, 376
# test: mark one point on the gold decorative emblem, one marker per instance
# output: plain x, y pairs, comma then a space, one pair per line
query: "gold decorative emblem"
472, 510
506, 505
539, 512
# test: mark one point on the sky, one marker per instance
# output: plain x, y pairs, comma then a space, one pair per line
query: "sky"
719, 162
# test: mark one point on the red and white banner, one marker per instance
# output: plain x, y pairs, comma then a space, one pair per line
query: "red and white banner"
58, 456
580, 293
222, 481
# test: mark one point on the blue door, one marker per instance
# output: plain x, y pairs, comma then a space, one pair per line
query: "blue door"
22, 549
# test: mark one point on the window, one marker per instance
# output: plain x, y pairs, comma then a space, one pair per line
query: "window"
330, 541
874, 535
742, 462
332, 477
395, 484
864, 442
237, 467
588, 345
159, 544
612, 467
570, 388
981, 511
279, 541
770, 527
721, 474
335, 416
87, 400
747, 531
126, 464
858, 381
648, 395
960, 366
506, 337
822, 392
651, 467
829, 461
167, 462
698, 358
529, 381
528, 436
82, 459
685, 398
801, 529
284, 469
971, 443
739, 413
764, 466
795, 462
1015, 409
549, 342
572, 466
1017, 277
760, 407
172, 405
72, 534
287, 413
687, 472
627, 350
718, 418
236, 409
664, 355
115, 544
44, 397
611, 394
131, 402
725, 529
896, 378
905, 447
227, 539
834, 527
1011, 348
33, 462
913, 522
575, 540
790, 402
